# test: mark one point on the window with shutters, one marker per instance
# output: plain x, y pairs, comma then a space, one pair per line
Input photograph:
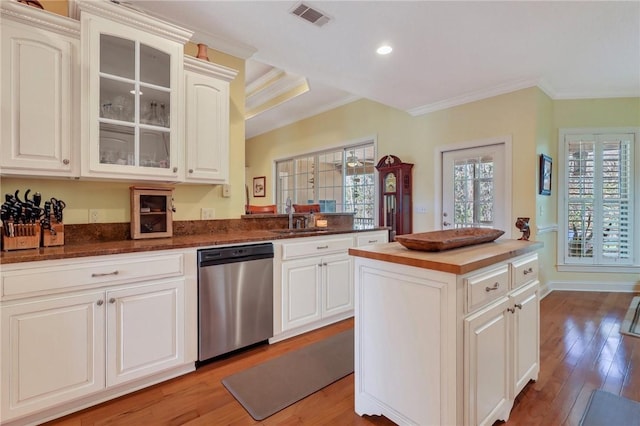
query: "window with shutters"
596, 199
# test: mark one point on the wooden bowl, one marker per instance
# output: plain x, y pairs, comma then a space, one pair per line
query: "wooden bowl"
448, 239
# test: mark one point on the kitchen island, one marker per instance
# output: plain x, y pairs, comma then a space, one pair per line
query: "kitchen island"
446, 338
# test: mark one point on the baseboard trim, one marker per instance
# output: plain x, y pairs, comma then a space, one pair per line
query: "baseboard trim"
621, 287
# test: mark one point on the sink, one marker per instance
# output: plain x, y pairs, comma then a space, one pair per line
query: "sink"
300, 231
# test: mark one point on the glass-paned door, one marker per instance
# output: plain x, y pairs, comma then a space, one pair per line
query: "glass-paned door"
135, 103
473, 188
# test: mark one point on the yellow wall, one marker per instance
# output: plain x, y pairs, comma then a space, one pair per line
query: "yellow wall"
113, 198
414, 140
529, 116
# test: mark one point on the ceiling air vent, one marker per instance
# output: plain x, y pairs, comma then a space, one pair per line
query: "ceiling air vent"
309, 14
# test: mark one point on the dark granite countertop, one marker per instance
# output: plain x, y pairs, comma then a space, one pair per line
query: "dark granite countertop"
98, 244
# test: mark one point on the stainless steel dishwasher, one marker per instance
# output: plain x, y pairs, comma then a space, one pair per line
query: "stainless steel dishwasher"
235, 298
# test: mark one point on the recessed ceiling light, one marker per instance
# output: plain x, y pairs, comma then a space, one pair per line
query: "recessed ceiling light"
384, 49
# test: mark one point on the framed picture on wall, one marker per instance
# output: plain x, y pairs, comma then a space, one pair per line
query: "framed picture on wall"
259, 184
546, 165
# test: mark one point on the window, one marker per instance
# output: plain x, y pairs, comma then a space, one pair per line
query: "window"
340, 180
597, 199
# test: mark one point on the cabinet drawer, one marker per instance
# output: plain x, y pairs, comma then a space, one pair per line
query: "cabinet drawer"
524, 270
372, 238
486, 287
90, 274
315, 247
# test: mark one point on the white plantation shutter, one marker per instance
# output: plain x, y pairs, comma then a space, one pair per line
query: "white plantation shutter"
598, 199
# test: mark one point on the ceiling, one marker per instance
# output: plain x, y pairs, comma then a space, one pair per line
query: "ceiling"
445, 53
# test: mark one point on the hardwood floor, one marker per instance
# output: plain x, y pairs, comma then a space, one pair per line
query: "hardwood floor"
581, 350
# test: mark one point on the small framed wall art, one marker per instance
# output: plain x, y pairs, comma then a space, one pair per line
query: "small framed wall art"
544, 180
259, 184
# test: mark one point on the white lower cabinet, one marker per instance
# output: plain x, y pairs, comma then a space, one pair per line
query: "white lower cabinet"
64, 347
489, 318
314, 281
53, 350
144, 330
487, 361
501, 354
316, 288
526, 336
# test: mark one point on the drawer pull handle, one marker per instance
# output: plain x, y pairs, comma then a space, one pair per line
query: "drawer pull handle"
528, 271
495, 287
100, 302
518, 305
322, 247
106, 274
512, 310
373, 241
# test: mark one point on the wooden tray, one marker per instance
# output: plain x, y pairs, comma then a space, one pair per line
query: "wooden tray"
448, 239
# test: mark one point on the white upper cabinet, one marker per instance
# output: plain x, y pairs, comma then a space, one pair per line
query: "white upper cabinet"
207, 121
132, 100
39, 92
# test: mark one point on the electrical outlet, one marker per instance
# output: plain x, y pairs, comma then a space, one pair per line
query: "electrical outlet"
94, 215
207, 213
226, 191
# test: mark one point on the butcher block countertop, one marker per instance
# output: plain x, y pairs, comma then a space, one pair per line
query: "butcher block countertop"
457, 261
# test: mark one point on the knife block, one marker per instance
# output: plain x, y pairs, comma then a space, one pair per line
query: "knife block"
54, 236
26, 236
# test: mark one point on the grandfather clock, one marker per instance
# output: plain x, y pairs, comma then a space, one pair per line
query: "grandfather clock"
395, 189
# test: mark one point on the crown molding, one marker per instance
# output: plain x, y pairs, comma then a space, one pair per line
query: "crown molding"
474, 96
264, 81
292, 119
40, 18
126, 15
192, 63
277, 87
224, 45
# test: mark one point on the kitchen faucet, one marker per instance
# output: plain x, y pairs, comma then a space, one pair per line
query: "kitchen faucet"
289, 211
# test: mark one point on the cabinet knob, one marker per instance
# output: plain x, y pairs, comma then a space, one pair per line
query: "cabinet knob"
190, 170
445, 223
100, 302
65, 161
495, 287
175, 170
112, 300
518, 305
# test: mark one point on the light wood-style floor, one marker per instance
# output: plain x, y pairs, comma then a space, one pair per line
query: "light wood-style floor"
581, 350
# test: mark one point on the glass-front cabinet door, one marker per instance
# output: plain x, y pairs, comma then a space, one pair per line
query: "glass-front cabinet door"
132, 102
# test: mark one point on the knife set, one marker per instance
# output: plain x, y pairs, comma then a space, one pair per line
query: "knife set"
25, 224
